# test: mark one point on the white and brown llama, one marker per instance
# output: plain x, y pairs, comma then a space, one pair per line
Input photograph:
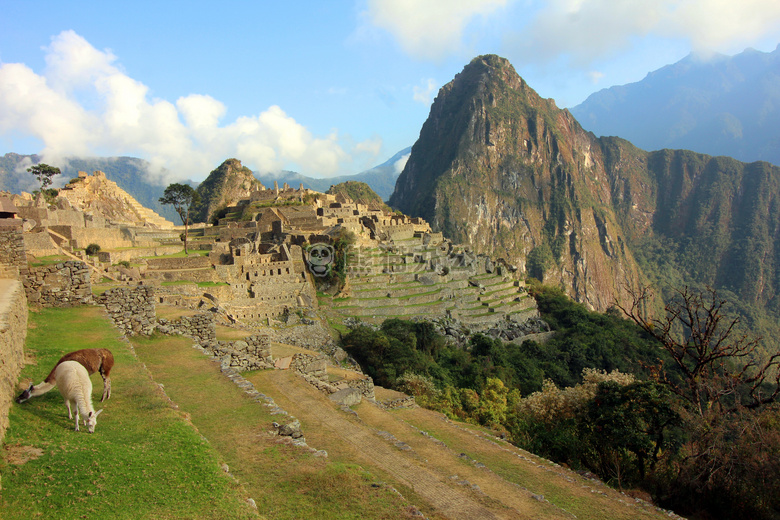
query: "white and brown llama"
75, 386
93, 359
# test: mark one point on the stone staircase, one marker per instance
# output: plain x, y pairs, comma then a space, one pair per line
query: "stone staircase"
149, 216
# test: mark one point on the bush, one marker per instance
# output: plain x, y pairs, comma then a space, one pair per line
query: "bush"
92, 249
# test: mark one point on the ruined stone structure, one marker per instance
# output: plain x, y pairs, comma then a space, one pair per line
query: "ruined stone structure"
97, 194
13, 259
314, 370
13, 331
201, 327
252, 353
131, 308
59, 285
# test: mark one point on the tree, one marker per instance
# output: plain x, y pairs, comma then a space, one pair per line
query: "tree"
44, 173
720, 369
181, 197
724, 383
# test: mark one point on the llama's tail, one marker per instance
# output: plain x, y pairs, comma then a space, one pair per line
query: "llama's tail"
35, 390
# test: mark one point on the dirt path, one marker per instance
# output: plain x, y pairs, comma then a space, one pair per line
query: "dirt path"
457, 470
316, 412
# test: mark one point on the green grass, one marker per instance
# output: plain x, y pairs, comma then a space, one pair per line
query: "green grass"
144, 459
287, 482
181, 254
199, 284
49, 260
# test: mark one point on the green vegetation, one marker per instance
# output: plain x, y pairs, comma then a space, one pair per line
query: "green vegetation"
605, 394
182, 197
144, 459
48, 260
92, 249
199, 284
286, 482
359, 192
44, 173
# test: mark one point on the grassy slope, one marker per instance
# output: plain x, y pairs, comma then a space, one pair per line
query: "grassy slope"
148, 461
285, 481
144, 459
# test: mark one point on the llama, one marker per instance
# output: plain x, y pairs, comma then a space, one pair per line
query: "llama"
75, 386
93, 359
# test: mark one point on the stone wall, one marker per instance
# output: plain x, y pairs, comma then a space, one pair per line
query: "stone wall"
310, 336
12, 255
40, 244
112, 257
59, 285
314, 370
131, 308
200, 327
189, 262
13, 331
252, 353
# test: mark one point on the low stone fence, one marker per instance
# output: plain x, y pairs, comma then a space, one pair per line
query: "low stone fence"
310, 336
13, 331
401, 402
200, 327
189, 262
112, 257
252, 353
131, 308
60, 285
12, 254
314, 370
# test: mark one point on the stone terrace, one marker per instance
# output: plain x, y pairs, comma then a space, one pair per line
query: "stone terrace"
409, 279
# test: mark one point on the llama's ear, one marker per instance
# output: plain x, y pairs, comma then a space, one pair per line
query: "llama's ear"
98, 412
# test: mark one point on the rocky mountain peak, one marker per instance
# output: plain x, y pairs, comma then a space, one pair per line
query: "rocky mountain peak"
229, 183
498, 167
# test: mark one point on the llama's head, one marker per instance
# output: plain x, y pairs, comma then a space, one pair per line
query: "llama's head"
25, 395
91, 421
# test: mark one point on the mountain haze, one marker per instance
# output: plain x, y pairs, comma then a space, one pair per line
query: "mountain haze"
381, 178
722, 105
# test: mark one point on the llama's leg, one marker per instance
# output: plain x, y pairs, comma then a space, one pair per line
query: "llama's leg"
70, 414
77, 417
106, 388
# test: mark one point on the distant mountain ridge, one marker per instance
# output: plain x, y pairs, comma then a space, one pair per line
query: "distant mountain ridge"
725, 105
130, 174
380, 178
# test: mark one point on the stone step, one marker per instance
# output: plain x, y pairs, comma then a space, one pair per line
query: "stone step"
433, 309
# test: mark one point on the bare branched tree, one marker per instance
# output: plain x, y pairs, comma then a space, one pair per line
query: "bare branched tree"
722, 369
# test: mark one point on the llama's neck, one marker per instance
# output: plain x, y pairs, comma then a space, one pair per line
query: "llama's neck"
84, 399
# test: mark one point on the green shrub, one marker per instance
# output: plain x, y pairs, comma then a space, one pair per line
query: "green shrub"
92, 249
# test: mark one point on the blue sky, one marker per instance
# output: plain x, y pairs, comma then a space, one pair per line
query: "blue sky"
320, 87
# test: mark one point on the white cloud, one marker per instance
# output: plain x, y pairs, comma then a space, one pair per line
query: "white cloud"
595, 76
85, 105
582, 31
586, 30
425, 94
372, 147
401, 163
431, 29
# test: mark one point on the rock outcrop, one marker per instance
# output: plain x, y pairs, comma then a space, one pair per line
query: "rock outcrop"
224, 187
500, 168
